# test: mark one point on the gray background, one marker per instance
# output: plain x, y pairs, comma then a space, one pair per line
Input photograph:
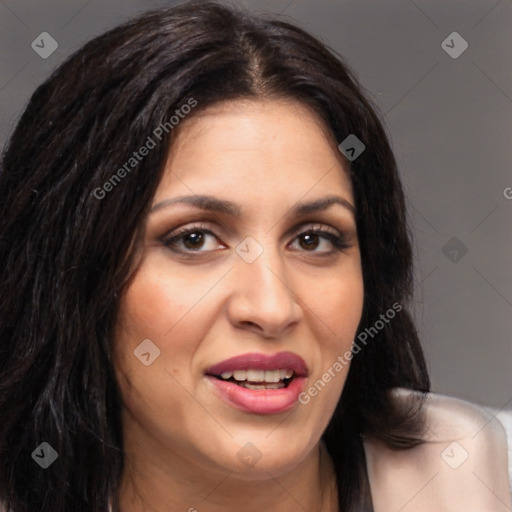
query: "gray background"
450, 125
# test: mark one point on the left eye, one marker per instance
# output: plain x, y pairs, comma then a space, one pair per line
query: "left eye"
195, 238
313, 237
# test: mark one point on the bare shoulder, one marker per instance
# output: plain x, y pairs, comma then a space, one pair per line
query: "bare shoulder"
461, 465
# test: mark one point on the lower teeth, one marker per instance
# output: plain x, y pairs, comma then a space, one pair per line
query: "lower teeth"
276, 385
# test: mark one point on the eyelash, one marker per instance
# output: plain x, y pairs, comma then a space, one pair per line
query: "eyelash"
339, 242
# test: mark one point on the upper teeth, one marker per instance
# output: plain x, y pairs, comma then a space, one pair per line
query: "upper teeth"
258, 375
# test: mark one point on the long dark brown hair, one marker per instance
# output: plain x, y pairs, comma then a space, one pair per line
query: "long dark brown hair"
66, 255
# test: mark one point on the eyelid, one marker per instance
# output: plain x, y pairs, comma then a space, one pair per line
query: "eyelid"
341, 238
317, 226
195, 226
296, 230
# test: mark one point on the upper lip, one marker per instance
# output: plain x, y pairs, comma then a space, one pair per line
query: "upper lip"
259, 361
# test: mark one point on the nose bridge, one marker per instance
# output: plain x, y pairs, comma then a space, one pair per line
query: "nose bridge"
263, 293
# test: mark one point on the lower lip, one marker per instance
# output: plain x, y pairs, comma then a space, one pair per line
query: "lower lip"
259, 401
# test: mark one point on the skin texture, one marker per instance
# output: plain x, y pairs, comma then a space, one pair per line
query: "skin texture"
207, 304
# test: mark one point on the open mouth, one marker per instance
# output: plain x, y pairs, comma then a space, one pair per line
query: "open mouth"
259, 383
258, 379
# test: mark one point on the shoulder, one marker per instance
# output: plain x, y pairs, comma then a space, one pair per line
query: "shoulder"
461, 465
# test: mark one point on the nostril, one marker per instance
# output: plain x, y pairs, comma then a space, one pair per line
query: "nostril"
251, 325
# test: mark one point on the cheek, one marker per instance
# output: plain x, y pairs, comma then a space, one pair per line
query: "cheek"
338, 305
341, 309
158, 305
345, 301
149, 305
157, 309
154, 308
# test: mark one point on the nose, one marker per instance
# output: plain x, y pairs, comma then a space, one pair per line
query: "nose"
263, 299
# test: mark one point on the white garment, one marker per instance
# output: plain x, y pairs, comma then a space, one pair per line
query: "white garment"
505, 417
462, 466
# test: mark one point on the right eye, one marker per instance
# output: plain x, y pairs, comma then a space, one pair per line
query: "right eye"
190, 239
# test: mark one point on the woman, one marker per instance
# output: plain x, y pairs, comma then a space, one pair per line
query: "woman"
205, 274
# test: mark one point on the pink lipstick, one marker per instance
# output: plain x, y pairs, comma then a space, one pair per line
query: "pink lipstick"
259, 383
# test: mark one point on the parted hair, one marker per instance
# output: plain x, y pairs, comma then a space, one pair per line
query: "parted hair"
66, 256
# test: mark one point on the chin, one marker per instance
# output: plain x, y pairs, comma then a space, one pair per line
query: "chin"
254, 460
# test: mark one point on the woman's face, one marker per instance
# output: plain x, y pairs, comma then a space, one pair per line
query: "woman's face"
241, 274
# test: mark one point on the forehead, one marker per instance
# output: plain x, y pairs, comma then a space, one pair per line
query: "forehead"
255, 146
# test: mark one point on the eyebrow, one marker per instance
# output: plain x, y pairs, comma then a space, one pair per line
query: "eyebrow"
209, 203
